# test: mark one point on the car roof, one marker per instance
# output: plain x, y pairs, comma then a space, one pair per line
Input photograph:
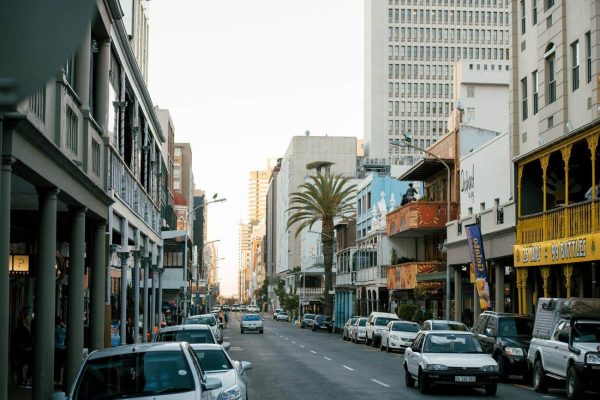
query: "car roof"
447, 332
201, 315
190, 327
444, 321
137, 348
206, 346
383, 314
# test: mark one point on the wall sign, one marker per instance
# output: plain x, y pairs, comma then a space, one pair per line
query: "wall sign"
554, 252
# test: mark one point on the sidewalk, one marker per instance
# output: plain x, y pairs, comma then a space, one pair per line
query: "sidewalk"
17, 393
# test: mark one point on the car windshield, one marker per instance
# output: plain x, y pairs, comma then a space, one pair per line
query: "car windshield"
448, 326
251, 317
362, 322
450, 343
309, 316
213, 360
511, 327
190, 336
405, 327
382, 321
134, 375
319, 318
586, 333
352, 321
201, 319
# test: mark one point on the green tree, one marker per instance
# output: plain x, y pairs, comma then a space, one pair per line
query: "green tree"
323, 198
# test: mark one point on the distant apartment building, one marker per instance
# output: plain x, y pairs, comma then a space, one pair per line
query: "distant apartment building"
258, 185
244, 252
410, 50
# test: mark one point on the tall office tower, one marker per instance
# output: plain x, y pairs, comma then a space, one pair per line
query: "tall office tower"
258, 185
243, 258
411, 47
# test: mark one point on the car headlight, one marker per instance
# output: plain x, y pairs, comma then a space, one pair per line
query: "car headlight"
394, 337
233, 393
592, 358
407, 339
490, 368
436, 367
514, 351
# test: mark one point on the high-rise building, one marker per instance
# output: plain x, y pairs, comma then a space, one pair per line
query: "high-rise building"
243, 259
258, 185
410, 50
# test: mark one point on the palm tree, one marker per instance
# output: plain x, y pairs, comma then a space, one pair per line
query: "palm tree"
323, 198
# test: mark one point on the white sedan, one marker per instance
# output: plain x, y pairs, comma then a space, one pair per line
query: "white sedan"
398, 335
283, 316
449, 358
216, 363
251, 322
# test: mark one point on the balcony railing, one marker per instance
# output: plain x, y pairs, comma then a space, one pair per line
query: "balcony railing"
573, 220
309, 292
420, 215
130, 191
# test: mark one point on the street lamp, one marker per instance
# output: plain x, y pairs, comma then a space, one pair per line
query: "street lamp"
407, 142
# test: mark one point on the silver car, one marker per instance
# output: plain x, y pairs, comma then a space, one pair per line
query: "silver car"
251, 322
143, 371
216, 363
207, 319
188, 333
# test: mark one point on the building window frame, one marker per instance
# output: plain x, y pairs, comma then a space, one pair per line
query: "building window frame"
588, 55
524, 106
534, 89
575, 65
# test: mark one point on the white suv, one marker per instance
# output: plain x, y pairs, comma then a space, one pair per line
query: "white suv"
376, 323
253, 308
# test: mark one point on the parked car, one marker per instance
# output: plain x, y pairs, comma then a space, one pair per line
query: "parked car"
216, 363
251, 322
359, 330
235, 307
252, 308
277, 311
307, 320
142, 371
449, 358
398, 335
244, 308
226, 308
444, 325
283, 316
506, 337
347, 325
376, 324
207, 319
566, 345
322, 322
188, 333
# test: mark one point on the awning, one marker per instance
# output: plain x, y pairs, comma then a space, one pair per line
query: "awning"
434, 276
424, 169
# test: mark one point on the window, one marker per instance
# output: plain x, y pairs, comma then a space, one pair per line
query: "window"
523, 24
95, 158
534, 11
549, 3
72, 138
524, 98
534, 88
588, 56
575, 65
550, 74
470, 91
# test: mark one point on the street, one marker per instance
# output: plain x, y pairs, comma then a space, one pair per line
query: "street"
293, 363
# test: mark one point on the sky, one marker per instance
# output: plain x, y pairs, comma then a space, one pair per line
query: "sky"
241, 77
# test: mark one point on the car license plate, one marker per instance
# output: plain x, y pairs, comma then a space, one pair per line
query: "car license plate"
464, 379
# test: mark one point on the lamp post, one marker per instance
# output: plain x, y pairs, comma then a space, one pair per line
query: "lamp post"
406, 142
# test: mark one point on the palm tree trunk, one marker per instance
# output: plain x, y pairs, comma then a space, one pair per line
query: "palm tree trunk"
327, 240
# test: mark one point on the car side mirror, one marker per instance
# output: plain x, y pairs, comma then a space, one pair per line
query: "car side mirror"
415, 349
211, 384
226, 345
489, 332
563, 337
58, 396
246, 366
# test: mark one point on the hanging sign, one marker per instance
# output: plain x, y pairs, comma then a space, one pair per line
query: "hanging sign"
478, 260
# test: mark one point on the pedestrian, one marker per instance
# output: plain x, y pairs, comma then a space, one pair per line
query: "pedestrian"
220, 315
226, 319
24, 347
60, 334
411, 192
129, 331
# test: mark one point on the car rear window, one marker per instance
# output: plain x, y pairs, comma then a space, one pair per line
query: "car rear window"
352, 321
383, 321
251, 317
362, 322
512, 327
135, 374
445, 326
190, 336
205, 319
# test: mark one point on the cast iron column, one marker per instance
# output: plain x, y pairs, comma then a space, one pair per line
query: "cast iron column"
75, 311
146, 261
137, 257
45, 293
124, 256
97, 277
458, 294
5, 198
153, 301
160, 274
499, 269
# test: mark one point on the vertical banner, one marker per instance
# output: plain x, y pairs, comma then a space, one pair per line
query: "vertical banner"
478, 260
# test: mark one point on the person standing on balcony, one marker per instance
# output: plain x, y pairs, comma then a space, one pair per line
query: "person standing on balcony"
588, 194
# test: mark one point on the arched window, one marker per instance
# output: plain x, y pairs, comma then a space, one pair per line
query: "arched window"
550, 57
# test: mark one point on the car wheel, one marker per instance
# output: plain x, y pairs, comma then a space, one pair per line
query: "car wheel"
575, 384
261, 331
491, 390
367, 342
387, 348
381, 347
408, 379
540, 382
423, 384
503, 374
242, 331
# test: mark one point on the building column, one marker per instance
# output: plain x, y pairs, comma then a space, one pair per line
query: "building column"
5, 204
524, 274
160, 282
545, 272
45, 293
146, 310
75, 311
97, 276
568, 271
499, 269
137, 257
153, 301
476, 306
82, 68
457, 293
124, 256
101, 102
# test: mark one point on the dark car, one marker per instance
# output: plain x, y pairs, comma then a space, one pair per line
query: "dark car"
322, 322
506, 337
307, 320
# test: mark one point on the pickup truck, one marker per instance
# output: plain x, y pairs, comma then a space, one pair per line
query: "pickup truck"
566, 345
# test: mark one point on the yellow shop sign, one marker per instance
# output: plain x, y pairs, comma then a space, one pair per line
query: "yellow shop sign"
575, 249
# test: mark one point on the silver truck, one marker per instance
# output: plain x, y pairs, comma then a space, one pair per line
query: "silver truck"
566, 345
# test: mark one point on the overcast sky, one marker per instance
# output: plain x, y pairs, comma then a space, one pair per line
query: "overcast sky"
241, 77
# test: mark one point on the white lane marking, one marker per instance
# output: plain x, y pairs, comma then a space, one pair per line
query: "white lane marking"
314, 352
227, 337
549, 397
293, 342
236, 348
327, 358
348, 368
380, 383
302, 346
287, 338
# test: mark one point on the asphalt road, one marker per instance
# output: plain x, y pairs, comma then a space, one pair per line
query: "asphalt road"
293, 363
